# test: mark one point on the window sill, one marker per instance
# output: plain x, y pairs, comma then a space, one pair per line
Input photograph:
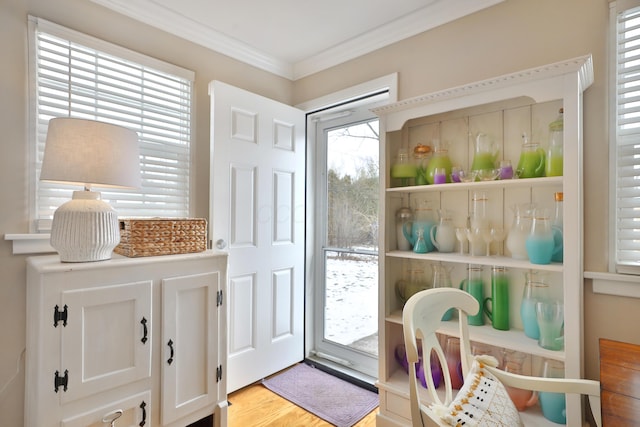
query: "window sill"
625, 285
30, 243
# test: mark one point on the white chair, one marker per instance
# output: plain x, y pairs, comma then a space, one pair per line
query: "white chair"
421, 318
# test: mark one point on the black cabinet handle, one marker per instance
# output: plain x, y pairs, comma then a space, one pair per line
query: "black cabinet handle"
170, 344
143, 406
145, 332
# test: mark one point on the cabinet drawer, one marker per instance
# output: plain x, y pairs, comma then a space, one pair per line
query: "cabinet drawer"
136, 411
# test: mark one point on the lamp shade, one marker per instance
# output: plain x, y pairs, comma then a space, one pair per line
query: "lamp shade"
88, 152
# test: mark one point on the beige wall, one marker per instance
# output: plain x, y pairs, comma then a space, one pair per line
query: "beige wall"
508, 37
87, 17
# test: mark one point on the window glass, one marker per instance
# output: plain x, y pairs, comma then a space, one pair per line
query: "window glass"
74, 75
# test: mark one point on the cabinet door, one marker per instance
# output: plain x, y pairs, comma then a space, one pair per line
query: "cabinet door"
189, 344
107, 340
133, 411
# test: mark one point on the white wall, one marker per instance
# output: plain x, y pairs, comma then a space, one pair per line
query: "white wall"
508, 37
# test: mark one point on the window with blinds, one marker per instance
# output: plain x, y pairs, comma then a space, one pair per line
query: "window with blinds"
74, 75
627, 140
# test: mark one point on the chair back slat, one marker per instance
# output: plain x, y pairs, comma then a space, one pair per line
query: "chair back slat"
423, 317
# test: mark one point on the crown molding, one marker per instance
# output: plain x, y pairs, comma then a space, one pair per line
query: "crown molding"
537, 83
193, 31
438, 13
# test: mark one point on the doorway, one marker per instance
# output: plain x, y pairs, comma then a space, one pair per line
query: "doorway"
345, 320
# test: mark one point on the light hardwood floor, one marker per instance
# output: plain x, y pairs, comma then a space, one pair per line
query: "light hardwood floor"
257, 406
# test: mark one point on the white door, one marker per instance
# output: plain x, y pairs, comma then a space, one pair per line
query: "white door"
257, 214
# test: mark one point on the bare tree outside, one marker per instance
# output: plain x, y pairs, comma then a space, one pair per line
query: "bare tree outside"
351, 264
353, 182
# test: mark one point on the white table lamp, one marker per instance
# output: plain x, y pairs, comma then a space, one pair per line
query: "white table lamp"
88, 152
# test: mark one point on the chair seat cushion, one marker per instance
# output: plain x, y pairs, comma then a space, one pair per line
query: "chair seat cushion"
482, 400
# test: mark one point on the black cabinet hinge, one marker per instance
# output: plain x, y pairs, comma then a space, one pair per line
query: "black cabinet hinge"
219, 373
59, 381
219, 299
60, 316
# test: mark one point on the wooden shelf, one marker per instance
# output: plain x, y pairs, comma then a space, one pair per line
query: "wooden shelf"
479, 185
500, 261
512, 339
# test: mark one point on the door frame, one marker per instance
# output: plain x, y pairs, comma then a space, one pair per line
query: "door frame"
387, 83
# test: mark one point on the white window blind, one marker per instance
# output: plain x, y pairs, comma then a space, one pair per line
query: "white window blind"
627, 141
74, 75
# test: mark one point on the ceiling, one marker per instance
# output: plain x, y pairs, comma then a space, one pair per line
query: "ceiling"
295, 38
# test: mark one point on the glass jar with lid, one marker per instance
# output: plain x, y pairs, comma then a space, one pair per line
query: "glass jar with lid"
421, 156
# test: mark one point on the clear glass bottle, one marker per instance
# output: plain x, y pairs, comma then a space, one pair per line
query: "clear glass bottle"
554, 160
556, 226
403, 215
479, 217
442, 279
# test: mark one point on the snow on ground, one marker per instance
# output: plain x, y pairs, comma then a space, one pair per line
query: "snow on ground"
351, 299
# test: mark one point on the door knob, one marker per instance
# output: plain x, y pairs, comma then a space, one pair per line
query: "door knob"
221, 244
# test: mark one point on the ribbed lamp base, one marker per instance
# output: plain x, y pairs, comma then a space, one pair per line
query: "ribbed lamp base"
85, 228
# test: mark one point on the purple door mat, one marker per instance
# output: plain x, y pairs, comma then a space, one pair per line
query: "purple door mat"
334, 400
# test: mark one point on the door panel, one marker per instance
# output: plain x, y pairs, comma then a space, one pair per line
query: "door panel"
242, 324
257, 211
283, 292
242, 209
283, 204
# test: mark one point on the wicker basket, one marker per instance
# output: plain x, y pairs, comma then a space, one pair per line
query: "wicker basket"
161, 236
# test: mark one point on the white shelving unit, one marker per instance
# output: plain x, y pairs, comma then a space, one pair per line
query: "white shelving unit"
503, 107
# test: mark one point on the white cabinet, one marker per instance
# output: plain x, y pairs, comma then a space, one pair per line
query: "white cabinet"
503, 107
98, 334
189, 333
